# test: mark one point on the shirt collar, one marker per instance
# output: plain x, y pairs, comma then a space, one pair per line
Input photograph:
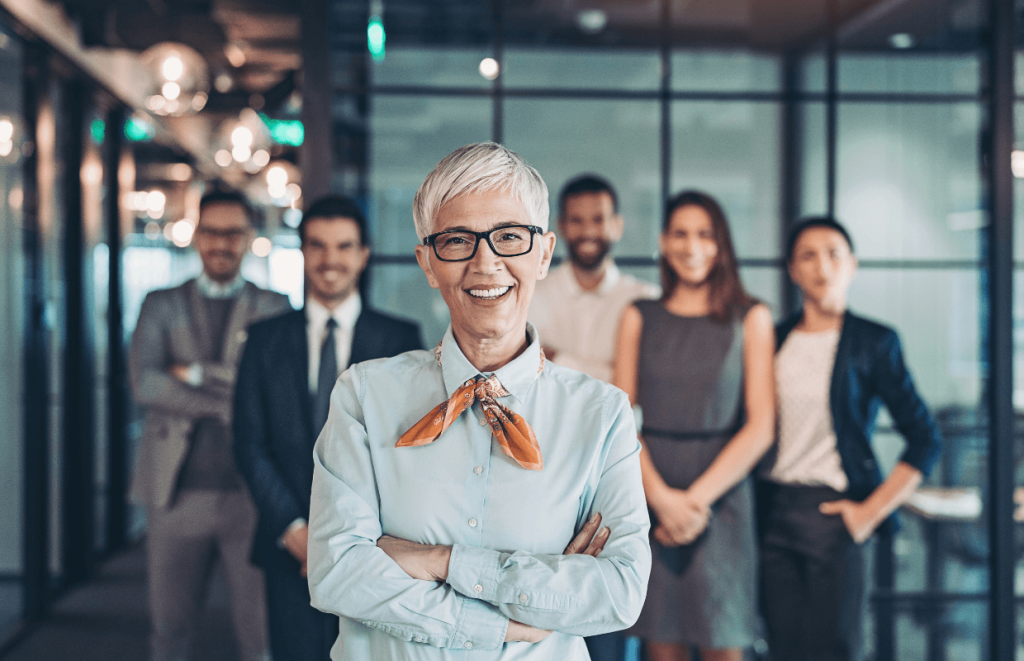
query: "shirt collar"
345, 314
517, 376
210, 288
612, 275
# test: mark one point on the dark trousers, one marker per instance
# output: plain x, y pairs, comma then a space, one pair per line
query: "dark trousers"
607, 647
298, 632
812, 579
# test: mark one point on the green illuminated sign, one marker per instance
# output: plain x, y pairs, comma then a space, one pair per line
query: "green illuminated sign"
375, 38
137, 131
98, 129
285, 131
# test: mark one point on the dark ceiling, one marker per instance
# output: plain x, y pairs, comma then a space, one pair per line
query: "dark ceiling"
256, 43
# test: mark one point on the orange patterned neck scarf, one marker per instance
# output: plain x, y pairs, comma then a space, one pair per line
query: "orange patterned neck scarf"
514, 434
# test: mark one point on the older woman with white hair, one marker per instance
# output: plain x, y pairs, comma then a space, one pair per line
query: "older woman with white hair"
475, 501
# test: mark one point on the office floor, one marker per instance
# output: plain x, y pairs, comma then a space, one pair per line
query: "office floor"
107, 619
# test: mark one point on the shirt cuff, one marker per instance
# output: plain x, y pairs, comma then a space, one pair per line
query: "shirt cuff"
473, 571
294, 525
195, 375
481, 627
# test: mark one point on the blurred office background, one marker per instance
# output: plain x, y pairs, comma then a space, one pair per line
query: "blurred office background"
895, 115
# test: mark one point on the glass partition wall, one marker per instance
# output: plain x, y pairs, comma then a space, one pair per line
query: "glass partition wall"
879, 117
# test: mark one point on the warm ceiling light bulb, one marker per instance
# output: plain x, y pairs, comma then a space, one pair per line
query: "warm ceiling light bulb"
261, 246
6, 130
181, 233
222, 158
277, 177
172, 68
241, 137
156, 201
489, 68
261, 157
241, 154
171, 91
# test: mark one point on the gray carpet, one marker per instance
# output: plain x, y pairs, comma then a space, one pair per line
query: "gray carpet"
106, 620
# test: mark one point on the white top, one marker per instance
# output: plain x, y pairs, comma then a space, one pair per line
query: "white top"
807, 451
345, 315
581, 326
210, 288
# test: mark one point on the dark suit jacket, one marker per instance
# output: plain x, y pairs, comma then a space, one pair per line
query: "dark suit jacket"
868, 371
273, 428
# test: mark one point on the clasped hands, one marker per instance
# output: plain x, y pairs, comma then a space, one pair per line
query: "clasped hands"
429, 562
681, 517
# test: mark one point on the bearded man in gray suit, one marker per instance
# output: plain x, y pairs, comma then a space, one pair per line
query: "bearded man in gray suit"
184, 357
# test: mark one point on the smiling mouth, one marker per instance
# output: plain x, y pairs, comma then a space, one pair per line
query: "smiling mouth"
489, 294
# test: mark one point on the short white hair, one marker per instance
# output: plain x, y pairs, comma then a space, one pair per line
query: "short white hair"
479, 167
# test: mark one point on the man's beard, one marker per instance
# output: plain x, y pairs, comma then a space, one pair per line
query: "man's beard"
592, 261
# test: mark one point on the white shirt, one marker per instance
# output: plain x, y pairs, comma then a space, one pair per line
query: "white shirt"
210, 288
807, 451
582, 326
317, 315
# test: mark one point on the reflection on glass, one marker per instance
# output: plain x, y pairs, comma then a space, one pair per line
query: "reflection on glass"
616, 139
582, 69
908, 179
909, 73
936, 312
731, 151
813, 160
725, 71
402, 290
410, 136
12, 338
445, 67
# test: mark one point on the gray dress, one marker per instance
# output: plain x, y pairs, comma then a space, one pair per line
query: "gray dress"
690, 388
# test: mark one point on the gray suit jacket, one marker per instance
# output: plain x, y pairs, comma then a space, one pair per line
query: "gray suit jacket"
173, 329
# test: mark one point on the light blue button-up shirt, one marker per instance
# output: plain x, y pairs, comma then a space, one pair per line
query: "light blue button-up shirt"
508, 526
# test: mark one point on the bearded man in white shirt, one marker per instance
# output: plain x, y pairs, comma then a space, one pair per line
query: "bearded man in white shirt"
576, 310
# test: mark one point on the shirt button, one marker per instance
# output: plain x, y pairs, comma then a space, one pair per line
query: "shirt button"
478, 588
468, 645
472, 523
483, 422
523, 598
418, 639
478, 469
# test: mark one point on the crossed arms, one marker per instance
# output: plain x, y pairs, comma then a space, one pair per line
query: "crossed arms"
485, 594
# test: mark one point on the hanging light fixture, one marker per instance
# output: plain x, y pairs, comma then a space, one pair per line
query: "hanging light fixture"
179, 79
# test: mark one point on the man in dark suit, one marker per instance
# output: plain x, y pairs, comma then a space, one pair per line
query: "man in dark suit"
285, 379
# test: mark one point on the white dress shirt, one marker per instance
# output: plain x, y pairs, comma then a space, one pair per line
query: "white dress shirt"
807, 452
317, 315
210, 288
581, 326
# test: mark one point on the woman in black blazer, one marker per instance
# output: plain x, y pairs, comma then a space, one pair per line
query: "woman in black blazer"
824, 494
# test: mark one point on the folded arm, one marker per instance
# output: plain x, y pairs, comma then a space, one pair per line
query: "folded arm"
578, 593
149, 365
350, 576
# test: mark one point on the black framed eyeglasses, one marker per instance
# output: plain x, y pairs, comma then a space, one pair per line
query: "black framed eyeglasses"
461, 245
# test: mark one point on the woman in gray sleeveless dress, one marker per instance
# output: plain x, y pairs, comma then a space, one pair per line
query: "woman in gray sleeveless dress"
699, 364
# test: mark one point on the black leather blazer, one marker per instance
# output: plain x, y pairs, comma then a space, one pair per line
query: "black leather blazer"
869, 370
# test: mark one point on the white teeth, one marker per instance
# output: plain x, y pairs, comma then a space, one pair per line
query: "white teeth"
489, 293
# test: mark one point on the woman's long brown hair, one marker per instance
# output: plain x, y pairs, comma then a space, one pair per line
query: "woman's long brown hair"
727, 299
